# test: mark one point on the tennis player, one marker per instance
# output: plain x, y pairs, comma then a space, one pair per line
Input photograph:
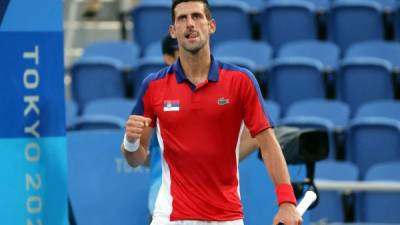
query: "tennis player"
199, 106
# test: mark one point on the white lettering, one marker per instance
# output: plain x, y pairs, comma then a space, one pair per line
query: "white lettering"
30, 182
31, 100
34, 204
34, 55
32, 129
31, 78
32, 152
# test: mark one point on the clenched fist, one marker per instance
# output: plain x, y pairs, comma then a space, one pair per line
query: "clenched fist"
135, 126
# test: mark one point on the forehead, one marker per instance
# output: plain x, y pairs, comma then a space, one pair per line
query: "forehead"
185, 8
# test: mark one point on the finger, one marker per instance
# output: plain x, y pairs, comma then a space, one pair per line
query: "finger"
147, 121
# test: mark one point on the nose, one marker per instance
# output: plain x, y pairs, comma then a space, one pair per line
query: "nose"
189, 22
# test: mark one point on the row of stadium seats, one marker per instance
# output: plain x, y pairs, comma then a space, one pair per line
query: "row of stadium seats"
278, 22
107, 68
374, 127
103, 189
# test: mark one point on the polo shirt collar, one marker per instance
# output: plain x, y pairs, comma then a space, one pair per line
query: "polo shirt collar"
212, 73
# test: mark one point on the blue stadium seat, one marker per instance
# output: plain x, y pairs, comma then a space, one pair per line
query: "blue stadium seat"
295, 79
71, 113
381, 206
352, 21
372, 140
259, 52
285, 21
127, 52
153, 50
389, 51
331, 116
364, 79
109, 113
96, 78
103, 189
273, 111
237, 27
239, 61
145, 67
120, 107
151, 21
326, 52
255, 191
384, 108
99, 122
330, 207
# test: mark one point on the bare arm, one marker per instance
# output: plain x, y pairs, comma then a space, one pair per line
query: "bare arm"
247, 144
137, 127
273, 157
275, 162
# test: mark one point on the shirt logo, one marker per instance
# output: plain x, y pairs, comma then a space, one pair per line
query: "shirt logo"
171, 105
222, 101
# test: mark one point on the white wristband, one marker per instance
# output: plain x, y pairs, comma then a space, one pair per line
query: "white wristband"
129, 146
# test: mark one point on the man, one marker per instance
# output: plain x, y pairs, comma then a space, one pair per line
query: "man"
247, 144
198, 106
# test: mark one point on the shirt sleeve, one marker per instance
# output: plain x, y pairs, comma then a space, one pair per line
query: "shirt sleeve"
144, 106
254, 114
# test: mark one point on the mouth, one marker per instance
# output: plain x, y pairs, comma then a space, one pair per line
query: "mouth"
191, 35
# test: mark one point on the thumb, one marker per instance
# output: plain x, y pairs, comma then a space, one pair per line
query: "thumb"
147, 121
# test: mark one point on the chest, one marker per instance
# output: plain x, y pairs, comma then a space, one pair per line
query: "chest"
212, 102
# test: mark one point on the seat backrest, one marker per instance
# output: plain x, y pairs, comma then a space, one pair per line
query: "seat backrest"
287, 73
237, 27
352, 21
381, 206
336, 112
273, 111
71, 112
372, 140
330, 206
127, 52
389, 51
364, 79
103, 189
326, 52
95, 78
259, 52
384, 108
120, 107
286, 21
151, 21
145, 67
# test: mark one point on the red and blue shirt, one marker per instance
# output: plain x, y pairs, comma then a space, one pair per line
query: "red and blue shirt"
198, 131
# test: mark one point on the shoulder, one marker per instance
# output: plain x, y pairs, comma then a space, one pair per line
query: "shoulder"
157, 76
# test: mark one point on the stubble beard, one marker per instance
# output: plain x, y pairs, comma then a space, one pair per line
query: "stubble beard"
195, 48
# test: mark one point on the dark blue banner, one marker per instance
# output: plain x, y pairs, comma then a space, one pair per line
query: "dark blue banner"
33, 165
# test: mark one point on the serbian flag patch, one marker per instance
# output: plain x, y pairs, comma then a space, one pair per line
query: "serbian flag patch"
171, 105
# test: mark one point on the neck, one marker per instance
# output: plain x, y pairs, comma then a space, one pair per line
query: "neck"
196, 65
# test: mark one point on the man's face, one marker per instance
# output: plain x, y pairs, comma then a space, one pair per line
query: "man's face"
191, 27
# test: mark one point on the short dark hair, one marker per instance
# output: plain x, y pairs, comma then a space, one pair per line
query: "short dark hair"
207, 10
169, 45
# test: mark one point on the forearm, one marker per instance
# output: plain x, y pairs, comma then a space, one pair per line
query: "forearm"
136, 158
273, 157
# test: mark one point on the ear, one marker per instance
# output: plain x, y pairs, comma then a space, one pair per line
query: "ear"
172, 31
212, 26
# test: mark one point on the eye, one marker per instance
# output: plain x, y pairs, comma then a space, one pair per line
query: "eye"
196, 16
181, 18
